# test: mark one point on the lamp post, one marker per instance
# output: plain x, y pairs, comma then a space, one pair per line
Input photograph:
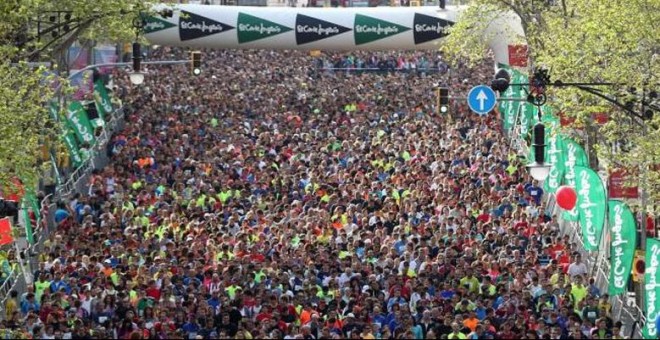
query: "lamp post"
538, 169
137, 76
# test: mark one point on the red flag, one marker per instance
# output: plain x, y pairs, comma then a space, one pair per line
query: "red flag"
5, 231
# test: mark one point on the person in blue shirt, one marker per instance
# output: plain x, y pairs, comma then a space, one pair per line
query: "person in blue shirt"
191, 327
58, 284
61, 214
535, 192
29, 304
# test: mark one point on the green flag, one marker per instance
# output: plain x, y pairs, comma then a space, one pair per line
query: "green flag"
74, 152
509, 109
79, 122
573, 156
651, 287
623, 238
102, 101
591, 198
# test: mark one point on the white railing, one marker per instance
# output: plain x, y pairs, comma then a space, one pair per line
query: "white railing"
624, 307
16, 280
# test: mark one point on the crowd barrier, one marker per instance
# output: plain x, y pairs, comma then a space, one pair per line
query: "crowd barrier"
77, 182
624, 307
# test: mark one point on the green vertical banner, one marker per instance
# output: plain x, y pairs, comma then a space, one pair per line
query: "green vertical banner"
77, 117
591, 203
506, 108
573, 156
521, 108
30, 202
74, 152
102, 101
623, 238
651, 287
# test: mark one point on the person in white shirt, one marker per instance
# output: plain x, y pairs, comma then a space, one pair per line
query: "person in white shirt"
577, 267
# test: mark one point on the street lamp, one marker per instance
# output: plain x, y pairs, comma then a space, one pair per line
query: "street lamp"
538, 169
137, 76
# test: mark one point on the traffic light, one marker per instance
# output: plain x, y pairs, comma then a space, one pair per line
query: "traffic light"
196, 57
443, 99
501, 81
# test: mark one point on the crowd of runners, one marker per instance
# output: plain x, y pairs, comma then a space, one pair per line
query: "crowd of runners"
261, 201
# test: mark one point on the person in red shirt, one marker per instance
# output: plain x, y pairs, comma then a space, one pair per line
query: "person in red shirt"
153, 291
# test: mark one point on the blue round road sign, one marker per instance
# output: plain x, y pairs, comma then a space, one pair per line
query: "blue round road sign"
481, 99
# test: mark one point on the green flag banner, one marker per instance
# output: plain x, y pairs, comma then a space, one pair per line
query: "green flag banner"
651, 287
77, 117
528, 117
74, 152
102, 101
503, 105
623, 238
591, 202
520, 107
30, 202
573, 156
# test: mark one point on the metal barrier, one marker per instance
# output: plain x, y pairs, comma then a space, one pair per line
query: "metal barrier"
425, 70
17, 280
624, 308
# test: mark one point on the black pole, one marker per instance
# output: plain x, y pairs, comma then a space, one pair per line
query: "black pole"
539, 143
137, 57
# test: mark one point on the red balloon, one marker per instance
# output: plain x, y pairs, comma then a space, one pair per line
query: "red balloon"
566, 197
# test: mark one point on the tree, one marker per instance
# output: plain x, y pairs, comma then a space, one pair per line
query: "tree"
43, 30
588, 41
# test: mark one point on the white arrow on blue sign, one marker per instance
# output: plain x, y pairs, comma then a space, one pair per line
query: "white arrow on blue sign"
481, 99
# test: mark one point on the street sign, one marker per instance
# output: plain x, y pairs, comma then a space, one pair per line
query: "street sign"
481, 99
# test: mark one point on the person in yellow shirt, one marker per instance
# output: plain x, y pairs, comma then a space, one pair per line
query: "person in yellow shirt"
11, 305
578, 291
456, 332
367, 332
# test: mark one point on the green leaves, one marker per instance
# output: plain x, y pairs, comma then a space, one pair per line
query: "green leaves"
586, 41
24, 121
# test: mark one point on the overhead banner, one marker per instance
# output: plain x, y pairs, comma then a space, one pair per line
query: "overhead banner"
623, 239
310, 29
651, 287
381, 28
573, 157
591, 204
